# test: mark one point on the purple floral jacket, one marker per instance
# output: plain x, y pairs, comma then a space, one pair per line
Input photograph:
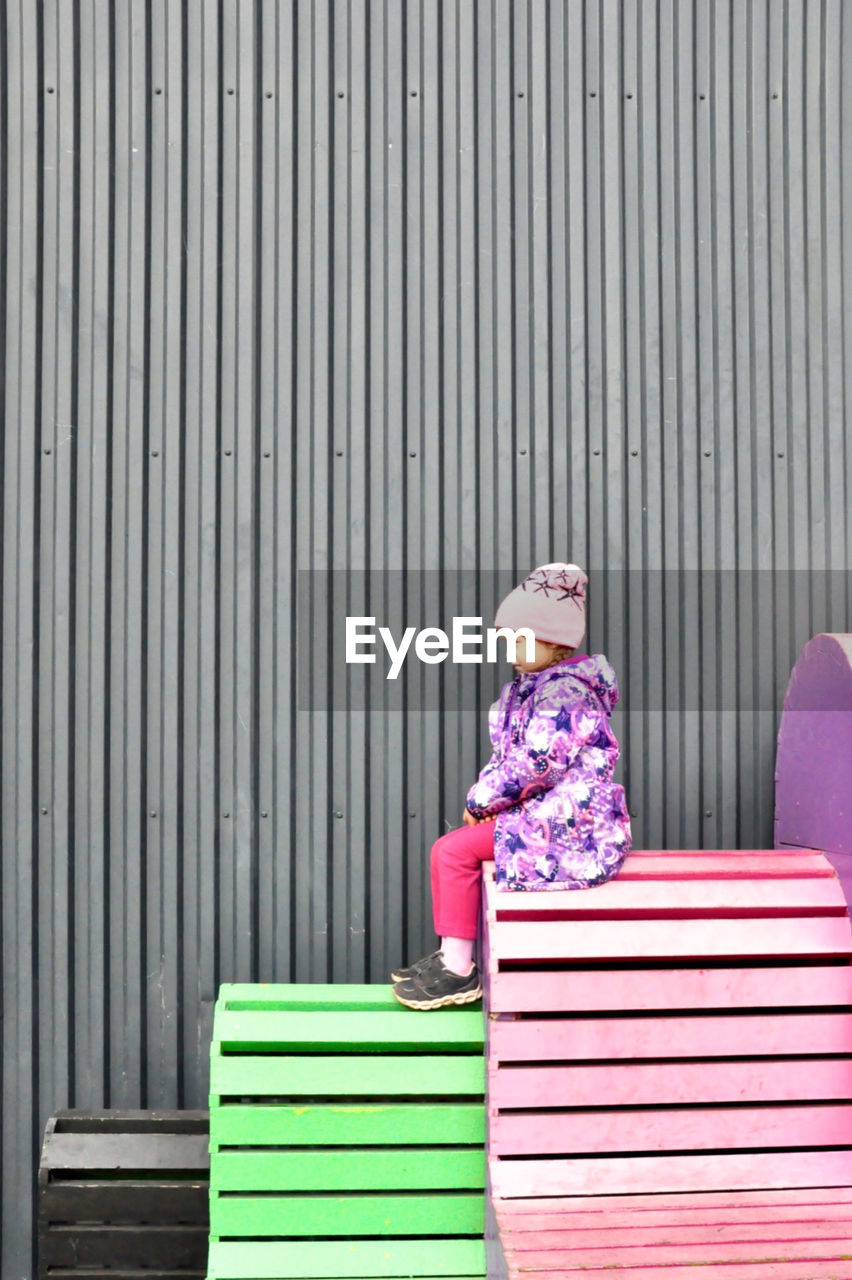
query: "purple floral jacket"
563, 822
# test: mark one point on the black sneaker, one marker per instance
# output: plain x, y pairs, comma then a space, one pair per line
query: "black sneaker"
399, 975
437, 986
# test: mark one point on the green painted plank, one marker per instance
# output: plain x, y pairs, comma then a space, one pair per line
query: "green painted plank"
420, 1075
319, 995
347, 1031
406, 1123
353, 1169
449, 1213
323, 1260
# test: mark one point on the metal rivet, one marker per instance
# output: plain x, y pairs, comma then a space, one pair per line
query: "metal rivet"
50, 88
227, 453
596, 452
47, 451
633, 813
341, 94
593, 93
706, 453
522, 452
708, 813
780, 455
629, 95
264, 813
414, 93
634, 453
155, 453
338, 814
702, 96
269, 93
153, 813
226, 815
267, 454
412, 454
412, 814
339, 453
158, 91
44, 809
520, 93
230, 91
775, 95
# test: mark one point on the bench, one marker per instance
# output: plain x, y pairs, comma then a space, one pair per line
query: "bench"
347, 1135
123, 1194
669, 1071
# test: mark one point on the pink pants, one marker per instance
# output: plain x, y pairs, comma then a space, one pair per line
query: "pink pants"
456, 878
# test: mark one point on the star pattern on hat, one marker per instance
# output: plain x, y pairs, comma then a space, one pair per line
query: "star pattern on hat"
558, 583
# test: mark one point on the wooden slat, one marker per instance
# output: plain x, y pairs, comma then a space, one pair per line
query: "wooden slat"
340, 1125
683, 865
634, 988
644, 1084
661, 1255
280, 1260
688, 1237
695, 1217
624, 898
671, 1206
346, 1031
353, 1169
628, 1130
379, 1214
828, 1269
313, 997
541, 941
89, 1200
426, 1075
128, 1152
546, 1039
636, 1174
130, 1121
151, 1245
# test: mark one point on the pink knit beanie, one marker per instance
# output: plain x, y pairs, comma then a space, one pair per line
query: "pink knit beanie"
551, 601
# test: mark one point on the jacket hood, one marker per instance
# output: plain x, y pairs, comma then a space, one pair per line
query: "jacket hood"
594, 670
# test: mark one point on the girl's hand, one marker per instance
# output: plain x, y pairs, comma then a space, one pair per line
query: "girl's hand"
468, 818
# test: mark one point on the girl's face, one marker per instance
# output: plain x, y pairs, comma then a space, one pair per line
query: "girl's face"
546, 655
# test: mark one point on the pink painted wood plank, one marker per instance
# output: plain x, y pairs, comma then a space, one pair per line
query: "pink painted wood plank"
804, 1270
566, 1039
719, 853
564, 1133
661, 1254
760, 896
670, 988
628, 1175
687, 1236
768, 1199
643, 1084
764, 1217
646, 939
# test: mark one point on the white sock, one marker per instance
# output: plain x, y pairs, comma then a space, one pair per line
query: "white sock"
458, 955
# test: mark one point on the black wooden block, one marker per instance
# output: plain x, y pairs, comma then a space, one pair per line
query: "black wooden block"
124, 1194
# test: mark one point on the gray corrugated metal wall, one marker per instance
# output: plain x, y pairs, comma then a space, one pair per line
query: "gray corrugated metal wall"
380, 285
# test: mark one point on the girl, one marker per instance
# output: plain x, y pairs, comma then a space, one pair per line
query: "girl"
545, 807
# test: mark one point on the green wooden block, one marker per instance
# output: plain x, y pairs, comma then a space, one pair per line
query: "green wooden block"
449, 1213
334, 1260
354, 1169
417, 1075
347, 1031
330, 1124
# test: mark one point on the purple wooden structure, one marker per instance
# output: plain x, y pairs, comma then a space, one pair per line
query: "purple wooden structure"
813, 770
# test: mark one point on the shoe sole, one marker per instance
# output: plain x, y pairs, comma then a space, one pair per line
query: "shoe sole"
463, 997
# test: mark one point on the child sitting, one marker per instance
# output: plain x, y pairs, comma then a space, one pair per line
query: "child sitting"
545, 807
